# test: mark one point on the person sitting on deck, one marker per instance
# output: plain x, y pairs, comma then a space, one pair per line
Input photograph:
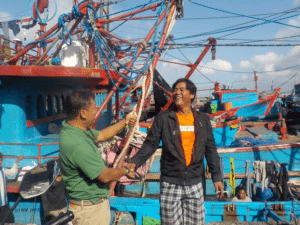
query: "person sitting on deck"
4, 206
241, 196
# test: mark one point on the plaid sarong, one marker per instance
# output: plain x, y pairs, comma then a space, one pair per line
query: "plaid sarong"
181, 204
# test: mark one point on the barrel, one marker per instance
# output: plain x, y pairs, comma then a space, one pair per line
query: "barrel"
227, 105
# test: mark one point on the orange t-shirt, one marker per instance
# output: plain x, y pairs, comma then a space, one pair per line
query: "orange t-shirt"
186, 125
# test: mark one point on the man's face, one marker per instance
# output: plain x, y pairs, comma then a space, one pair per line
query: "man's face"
181, 96
1, 161
242, 194
90, 113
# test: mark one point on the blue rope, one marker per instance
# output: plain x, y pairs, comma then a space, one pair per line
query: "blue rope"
130, 17
100, 45
237, 14
108, 50
233, 29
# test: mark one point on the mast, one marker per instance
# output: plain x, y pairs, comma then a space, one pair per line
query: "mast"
255, 79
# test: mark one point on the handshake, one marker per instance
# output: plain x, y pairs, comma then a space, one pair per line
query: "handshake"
130, 170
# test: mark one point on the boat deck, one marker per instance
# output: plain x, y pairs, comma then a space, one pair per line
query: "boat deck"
292, 139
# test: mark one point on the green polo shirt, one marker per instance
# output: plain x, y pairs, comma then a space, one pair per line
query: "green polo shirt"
81, 164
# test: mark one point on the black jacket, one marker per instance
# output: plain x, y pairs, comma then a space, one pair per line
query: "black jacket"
173, 167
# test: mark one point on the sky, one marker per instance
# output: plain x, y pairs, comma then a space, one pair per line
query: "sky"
276, 66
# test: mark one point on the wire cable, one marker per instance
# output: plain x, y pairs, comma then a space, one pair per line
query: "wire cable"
252, 17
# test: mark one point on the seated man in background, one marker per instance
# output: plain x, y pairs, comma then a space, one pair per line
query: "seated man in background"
241, 196
4, 206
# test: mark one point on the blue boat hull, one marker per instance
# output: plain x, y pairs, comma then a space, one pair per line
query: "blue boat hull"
214, 211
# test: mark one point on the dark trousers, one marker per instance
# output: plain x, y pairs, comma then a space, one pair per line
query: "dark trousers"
3, 212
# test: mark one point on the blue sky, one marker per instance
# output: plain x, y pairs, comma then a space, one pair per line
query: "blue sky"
239, 62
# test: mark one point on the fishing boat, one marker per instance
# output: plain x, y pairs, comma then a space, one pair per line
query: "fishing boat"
35, 82
245, 103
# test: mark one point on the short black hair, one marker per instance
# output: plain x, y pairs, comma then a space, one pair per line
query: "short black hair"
1, 155
78, 100
189, 86
242, 187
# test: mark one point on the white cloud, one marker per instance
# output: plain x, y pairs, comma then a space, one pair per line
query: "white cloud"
210, 67
244, 77
4, 16
171, 67
245, 64
296, 2
290, 31
268, 58
275, 64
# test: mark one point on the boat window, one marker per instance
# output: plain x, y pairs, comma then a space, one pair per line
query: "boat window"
49, 105
62, 104
56, 108
28, 108
40, 107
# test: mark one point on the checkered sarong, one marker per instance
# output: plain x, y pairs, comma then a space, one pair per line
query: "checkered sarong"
181, 205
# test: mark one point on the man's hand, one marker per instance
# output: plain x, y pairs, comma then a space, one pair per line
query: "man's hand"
219, 189
20, 157
131, 119
131, 167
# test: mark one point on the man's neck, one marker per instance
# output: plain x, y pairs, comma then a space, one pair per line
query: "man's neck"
76, 124
184, 111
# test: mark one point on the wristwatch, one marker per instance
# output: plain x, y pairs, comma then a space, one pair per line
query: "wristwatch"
127, 170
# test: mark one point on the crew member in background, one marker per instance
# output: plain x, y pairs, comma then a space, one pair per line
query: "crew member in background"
241, 196
82, 166
187, 137
4, 206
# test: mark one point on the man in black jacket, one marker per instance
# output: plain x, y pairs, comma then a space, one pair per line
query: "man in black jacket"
186, 137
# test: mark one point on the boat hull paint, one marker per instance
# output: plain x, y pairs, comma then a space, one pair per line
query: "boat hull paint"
28, 210
224, 135
257, 110
214, 211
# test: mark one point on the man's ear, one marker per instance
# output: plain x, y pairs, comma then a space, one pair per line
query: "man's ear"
83, 114
192, 96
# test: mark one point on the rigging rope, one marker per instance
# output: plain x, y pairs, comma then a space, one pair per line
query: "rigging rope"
103, 50
237, 14
233, 29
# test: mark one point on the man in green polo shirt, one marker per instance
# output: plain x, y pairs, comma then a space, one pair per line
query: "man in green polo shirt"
82, 166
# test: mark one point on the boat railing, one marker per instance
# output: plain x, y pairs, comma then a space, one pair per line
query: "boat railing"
39, 157
5, 48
